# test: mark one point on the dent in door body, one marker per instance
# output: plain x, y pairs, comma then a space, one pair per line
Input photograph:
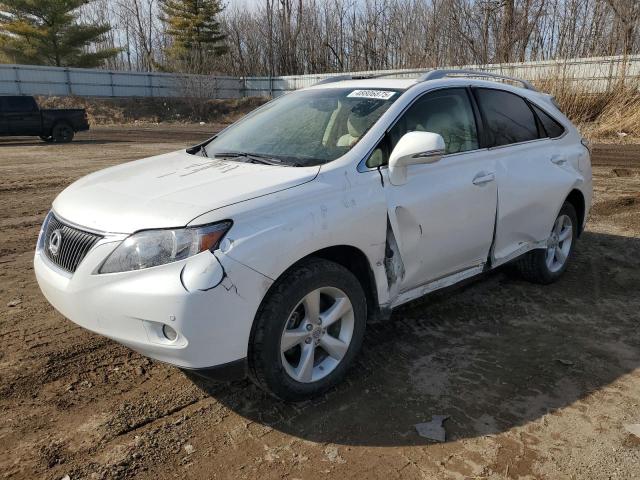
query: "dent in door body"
443, 222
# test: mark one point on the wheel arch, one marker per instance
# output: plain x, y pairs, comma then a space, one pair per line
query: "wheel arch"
354, 260
577, 200
61, 121
351, 258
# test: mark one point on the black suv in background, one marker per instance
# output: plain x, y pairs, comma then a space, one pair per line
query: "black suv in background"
20, 116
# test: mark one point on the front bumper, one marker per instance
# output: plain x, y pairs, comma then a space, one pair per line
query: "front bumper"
210, 300
221, 373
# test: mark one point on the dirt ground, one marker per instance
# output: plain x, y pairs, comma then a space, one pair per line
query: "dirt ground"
537, 382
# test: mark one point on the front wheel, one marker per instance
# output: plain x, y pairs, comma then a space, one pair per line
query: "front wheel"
547, 265
308, 331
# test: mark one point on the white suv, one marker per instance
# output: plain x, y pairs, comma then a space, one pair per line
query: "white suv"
266, 249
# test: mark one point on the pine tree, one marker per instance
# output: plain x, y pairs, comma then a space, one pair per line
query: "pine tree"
195, 33
47, 32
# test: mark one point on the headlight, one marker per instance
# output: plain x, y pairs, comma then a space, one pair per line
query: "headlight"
151, 248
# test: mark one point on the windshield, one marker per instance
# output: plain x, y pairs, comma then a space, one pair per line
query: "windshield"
305, 128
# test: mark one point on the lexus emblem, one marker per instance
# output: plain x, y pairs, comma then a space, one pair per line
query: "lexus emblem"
55, 241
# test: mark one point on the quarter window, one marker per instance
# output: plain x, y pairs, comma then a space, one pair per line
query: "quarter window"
551, 126
508, 118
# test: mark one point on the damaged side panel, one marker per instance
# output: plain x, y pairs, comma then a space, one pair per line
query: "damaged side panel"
224, 296
440, 221
393, 263
338, 209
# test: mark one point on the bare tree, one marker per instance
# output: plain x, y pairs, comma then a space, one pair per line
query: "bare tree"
280, 37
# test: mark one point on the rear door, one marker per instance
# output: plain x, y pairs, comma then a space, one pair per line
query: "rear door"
533, 180
23, 116
443, 217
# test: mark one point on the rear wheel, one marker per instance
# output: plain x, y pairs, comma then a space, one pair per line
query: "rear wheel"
308, 331
547, 265
62, 133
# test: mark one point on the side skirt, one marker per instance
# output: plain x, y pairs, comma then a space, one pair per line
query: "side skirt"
519, 251
437, 285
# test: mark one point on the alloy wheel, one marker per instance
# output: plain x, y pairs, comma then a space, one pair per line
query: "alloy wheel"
317, 334
559, 243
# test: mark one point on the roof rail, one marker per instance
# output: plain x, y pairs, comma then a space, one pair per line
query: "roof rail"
336, 78
366, 76
438, 74
430, 75
399, 72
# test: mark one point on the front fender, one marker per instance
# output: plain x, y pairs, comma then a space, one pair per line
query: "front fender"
339, 207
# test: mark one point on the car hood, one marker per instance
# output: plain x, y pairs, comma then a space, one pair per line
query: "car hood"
169, 191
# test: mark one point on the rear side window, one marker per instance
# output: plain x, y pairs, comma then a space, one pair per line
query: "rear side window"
18, 104
551, 126
508, 118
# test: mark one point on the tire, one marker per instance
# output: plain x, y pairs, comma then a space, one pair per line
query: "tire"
539, 266
279, 369
62, 133
47, 139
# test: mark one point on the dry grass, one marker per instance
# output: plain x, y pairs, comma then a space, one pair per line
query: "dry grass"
104, 111
613, 113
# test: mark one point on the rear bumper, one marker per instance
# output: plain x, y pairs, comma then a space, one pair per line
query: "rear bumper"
209, 300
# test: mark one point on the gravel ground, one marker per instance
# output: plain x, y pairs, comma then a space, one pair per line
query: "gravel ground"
537, 382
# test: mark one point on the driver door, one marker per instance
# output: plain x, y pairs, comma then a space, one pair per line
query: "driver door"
443, 217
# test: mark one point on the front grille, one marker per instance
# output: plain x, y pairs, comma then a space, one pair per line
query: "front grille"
66, 246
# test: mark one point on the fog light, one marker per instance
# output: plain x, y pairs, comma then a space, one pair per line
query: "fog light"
169, 333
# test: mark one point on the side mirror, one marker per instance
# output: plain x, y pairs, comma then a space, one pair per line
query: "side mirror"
414, 148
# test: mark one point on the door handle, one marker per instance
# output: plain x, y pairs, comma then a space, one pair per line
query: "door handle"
558, 160
482, 178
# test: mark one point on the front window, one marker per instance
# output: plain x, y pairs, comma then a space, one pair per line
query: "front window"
446, 112
306, 128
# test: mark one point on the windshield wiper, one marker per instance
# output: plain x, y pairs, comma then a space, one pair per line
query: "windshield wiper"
254, 157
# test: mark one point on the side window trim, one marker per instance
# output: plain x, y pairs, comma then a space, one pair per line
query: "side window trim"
362, 165
483, 133
533, 107
477, 116
542, 131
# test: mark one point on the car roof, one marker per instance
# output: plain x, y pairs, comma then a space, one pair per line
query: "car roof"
405, 83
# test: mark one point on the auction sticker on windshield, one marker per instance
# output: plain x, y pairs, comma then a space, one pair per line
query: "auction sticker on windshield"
377, 94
